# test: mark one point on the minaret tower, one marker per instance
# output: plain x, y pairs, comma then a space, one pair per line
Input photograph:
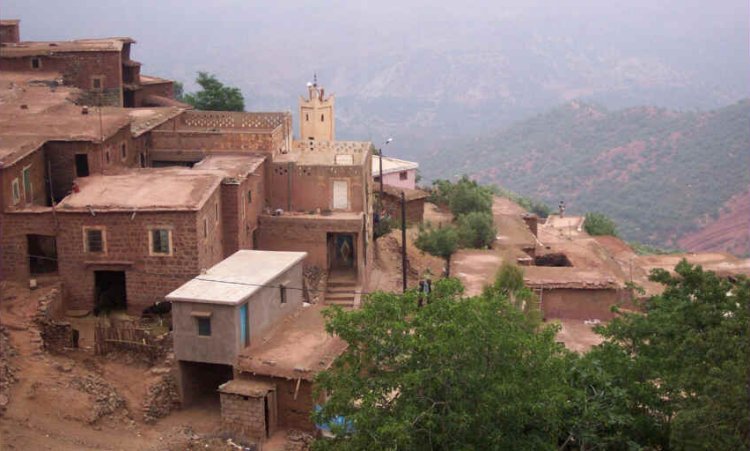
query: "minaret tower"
316, 114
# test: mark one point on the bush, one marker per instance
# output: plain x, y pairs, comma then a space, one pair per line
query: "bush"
441, 242
476, 230
383, 226
468, 196
599, 224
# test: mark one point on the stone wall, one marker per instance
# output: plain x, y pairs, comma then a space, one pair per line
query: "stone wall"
243, 416
56, 335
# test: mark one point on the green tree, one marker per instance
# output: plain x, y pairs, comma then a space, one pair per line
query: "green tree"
214, 96
599, 224
441, 242
467, 196
458, 373
676, 376
476, 229
178, 91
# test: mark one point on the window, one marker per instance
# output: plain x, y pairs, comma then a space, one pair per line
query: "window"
205, 227
204, 327
216, 207
160, 242
123, 151
322, 118
97, 82
282, 293
403, 175
94, 240
28, 193
36, 63
249, 197
307, 117
106, 155
377, 179
16, 191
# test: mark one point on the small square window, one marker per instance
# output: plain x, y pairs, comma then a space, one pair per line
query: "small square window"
97, 82
403, 175
282, 293
377, 179
161, 242
36, 63
94, 240
16, 191
204, 327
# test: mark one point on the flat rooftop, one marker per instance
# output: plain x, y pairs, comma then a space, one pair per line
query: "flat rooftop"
296, 347
237, 277
569, 277
391, 165
161, 189
231, 166
14, 148
145, 119
33, 48
326, 153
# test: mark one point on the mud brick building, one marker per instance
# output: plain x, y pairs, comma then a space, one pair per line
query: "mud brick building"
101, 68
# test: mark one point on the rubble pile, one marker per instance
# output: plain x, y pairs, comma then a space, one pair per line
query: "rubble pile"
106, 399
161, 398
298, 441
7, 372
314, 278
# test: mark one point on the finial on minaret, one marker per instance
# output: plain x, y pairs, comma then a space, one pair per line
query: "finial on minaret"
315, 79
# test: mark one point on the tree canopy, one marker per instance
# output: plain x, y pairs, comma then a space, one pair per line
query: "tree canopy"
455, 374
441, 242
214, 96
483, 373
599, 224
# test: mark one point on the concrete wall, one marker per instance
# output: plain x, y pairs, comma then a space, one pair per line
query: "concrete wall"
264, 310
580, 304
221, 347
394, 179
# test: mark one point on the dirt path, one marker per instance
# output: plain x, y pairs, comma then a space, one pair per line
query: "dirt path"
47, 412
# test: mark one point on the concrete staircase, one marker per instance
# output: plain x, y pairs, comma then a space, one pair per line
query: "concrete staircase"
340, 289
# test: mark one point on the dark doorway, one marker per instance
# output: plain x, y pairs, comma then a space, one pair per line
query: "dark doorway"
128, 99
142, 159
82, 165
199, 383
341, 251
109, 291
42, 251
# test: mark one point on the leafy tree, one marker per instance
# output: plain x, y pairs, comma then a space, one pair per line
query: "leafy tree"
455, 374
468, 196
599, 224
476, 230
441, 242
676, 376
509, 283
214, 96
178, 90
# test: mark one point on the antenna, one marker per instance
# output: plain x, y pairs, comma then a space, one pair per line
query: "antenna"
315, 79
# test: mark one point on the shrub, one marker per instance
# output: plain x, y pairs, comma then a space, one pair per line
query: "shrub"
599, 224
476, 230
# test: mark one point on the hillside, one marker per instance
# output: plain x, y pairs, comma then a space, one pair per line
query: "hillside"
663, 175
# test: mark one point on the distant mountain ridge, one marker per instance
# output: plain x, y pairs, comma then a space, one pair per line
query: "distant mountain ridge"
663, 175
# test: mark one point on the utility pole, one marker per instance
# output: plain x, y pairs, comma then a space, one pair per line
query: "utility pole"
403, 239
380, 161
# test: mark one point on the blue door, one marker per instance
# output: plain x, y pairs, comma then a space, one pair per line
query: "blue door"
244, 330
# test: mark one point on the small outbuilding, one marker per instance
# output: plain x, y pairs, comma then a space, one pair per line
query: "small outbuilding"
221, 312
